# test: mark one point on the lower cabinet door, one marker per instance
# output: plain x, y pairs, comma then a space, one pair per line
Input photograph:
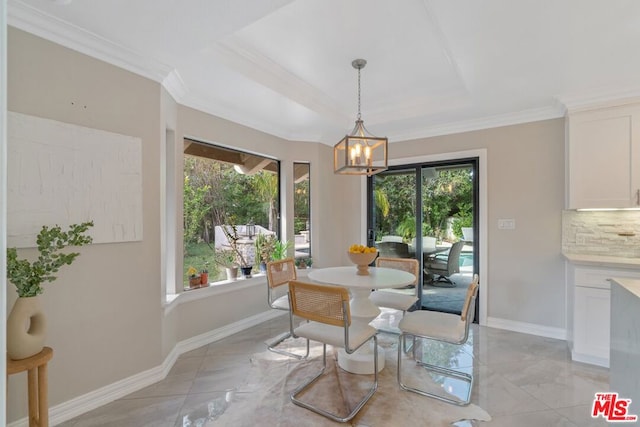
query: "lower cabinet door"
591, 325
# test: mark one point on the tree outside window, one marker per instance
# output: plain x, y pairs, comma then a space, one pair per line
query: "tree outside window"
224, 187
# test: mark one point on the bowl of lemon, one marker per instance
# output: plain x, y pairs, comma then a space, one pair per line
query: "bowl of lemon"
362, 256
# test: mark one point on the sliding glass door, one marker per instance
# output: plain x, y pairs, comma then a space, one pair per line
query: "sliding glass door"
428, 211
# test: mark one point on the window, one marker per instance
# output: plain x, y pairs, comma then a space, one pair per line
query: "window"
230, 199
302, 213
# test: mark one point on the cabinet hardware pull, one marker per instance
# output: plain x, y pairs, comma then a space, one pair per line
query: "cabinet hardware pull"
638, 197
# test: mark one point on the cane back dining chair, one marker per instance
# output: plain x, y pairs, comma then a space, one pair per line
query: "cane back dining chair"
329, 321
443, 327
279, 274
397, 299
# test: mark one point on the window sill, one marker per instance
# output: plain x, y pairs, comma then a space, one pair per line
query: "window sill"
219, 288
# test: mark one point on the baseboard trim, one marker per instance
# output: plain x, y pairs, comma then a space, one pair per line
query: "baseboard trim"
107, 394
592, 360
527, 328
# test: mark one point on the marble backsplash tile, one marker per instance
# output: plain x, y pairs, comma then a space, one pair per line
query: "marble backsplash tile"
610, 233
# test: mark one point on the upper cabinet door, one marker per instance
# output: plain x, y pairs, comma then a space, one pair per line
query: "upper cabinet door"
603, 158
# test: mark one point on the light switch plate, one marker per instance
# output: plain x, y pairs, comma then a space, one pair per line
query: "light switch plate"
506, 224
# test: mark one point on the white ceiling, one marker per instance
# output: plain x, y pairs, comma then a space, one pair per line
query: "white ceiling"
434, 66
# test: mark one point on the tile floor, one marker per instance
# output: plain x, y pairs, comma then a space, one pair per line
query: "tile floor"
520, 380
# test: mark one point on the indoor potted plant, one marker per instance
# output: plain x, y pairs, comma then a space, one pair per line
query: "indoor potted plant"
231, 232
280, 249
265, 246
303, 263
28, 278
194, 277
226, 258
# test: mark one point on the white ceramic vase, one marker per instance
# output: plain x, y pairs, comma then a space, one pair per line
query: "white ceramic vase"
26, 328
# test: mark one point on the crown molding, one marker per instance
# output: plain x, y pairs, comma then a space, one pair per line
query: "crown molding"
509, 119
263, 70
176, 87
603, 100
27, 18
219, 108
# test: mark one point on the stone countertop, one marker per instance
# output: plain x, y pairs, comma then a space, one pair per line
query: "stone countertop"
603, 260
632, 285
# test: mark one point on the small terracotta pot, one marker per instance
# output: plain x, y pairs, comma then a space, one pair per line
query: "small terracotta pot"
194, 282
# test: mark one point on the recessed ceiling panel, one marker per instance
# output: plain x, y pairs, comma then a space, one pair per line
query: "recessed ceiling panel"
407, 56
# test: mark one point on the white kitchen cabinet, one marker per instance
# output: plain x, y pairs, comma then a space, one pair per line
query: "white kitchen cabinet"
603, 158
591, 333
591, 291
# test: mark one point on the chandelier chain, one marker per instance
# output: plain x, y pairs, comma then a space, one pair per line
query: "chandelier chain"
359, 116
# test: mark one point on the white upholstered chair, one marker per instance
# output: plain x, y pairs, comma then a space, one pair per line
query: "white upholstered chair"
444, 327
279, 274
329, 321
397, 299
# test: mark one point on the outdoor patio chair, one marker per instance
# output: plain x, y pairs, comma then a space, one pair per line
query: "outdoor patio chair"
391, 238
443, 327
393, 250
428, 243
441, 266
329, 321
279, 274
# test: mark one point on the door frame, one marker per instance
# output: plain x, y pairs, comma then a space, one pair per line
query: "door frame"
482, 232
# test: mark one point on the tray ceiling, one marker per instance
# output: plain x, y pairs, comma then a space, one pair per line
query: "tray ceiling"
434, 67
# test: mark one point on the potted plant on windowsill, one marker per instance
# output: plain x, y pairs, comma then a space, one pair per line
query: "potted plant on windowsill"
303, 263
265, 246
194, 278
281, 249
28, 278
226, 258
231, 232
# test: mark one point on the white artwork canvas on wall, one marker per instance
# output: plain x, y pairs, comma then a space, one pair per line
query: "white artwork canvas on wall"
61, 174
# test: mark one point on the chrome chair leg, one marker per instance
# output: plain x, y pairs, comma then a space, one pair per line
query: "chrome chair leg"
320, 411
397, 332
272, 346
438, 369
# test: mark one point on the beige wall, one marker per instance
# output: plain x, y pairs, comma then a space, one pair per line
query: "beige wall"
525, 182
105, 312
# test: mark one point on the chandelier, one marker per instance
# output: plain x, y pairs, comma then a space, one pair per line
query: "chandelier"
360, 153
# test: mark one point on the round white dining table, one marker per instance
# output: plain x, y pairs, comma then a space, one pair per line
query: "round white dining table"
362, 309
